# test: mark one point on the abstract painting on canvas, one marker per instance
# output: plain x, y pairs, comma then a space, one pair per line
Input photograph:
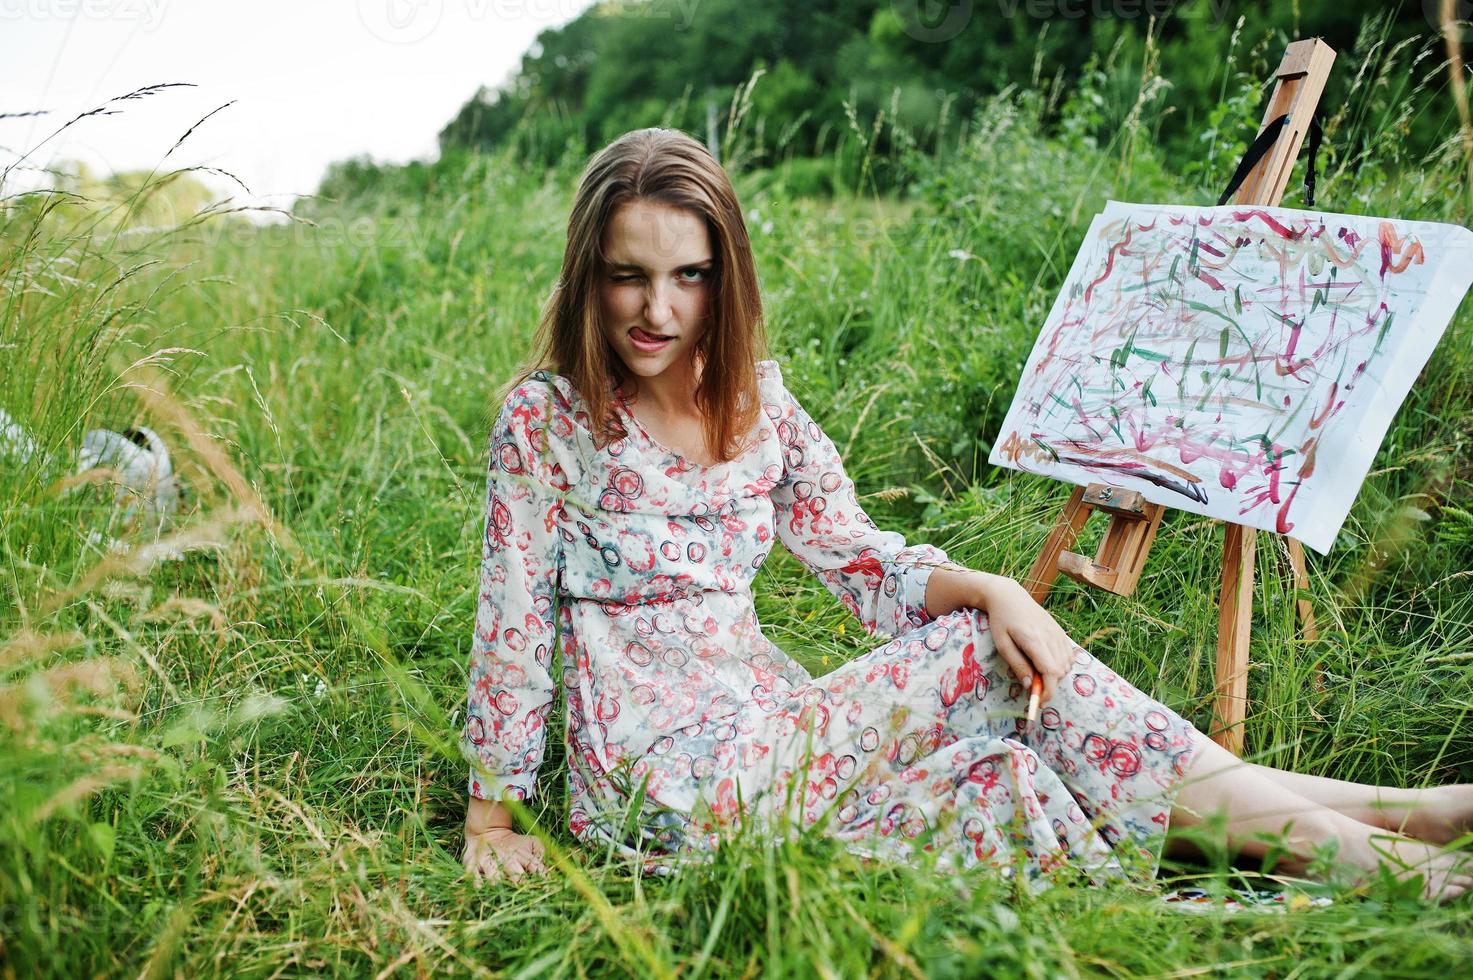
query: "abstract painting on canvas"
1238, 362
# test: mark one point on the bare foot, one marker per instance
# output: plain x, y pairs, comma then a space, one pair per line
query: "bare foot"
1446, 874
1445, 815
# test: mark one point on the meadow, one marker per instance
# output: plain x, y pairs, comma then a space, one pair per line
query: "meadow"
237, 753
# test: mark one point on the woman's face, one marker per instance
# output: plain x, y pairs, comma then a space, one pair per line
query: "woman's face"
658, 286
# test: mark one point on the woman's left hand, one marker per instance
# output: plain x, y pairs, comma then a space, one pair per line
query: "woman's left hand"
1026, 636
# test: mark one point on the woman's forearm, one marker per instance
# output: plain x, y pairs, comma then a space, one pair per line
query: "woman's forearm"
954, 587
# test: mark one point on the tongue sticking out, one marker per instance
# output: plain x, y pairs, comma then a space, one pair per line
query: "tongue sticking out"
648, 337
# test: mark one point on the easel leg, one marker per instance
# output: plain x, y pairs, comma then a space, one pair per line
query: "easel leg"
1301, 581
1305, 610
1046, 567
1234, 615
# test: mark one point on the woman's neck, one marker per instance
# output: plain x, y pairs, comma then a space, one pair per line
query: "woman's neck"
668, 395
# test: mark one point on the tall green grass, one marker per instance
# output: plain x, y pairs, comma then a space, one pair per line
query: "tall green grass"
243, 760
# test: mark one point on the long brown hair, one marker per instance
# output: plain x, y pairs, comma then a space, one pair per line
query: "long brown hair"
670, 167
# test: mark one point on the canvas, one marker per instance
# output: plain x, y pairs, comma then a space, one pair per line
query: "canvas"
1239, 362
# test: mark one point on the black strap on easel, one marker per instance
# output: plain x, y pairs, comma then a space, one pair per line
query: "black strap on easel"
1260, 146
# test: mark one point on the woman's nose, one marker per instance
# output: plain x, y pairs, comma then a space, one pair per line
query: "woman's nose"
658, 306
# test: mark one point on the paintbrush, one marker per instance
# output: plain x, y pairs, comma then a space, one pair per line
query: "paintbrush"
1035, 691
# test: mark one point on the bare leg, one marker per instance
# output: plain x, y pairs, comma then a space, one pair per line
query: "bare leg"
1254, 804
1438, 814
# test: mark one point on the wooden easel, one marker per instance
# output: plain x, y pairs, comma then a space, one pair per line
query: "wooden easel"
1117, 565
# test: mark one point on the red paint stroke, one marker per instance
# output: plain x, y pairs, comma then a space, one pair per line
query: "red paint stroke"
1316, 419
1118, 247
1283, 525
1350, 258
1234, 465
1227, 256
1284, 363
1392, 244
1329, 331
1282, 230
1067, 325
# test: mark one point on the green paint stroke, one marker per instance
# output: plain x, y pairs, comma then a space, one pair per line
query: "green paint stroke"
1382, 335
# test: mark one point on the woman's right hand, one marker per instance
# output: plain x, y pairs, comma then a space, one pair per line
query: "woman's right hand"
497, 851
1026, 637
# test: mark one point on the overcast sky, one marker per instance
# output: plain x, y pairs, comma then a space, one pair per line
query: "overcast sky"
312, 80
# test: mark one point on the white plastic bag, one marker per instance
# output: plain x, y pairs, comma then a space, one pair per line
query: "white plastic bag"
145, 485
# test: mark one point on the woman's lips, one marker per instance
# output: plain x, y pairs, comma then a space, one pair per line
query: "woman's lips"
647, 342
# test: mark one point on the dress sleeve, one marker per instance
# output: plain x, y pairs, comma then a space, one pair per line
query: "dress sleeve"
874, 573
511, 688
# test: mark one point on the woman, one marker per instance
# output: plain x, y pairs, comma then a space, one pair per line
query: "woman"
637, 480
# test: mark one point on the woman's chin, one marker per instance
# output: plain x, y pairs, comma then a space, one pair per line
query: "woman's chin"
650, 365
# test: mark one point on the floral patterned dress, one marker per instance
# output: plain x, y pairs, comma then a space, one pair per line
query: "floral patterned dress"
684, 719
